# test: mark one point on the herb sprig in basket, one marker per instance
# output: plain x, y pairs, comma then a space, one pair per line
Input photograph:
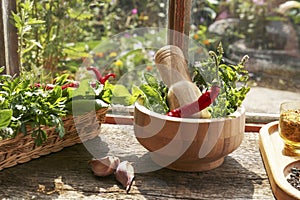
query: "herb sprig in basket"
22, 105
27, 106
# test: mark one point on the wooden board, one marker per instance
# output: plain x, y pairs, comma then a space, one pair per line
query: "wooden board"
277, 162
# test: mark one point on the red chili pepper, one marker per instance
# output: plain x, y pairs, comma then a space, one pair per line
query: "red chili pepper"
38, 85
47, 86
106, 77
99, 77
203, 102
93, 85
96, 71
74, 84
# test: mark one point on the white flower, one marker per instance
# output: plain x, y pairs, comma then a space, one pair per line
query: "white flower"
10, 131
28, 94
2, 99
99, 89
20, 107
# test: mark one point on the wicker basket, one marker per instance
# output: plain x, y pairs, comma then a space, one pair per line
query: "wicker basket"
78, 129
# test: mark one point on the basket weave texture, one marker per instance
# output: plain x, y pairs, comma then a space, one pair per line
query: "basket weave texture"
78, 129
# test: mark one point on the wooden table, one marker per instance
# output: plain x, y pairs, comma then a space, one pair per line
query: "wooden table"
67, 175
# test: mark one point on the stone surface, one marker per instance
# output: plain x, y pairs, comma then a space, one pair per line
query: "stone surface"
265, 100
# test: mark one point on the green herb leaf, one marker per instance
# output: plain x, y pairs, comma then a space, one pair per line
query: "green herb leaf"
233, 83
136, 93
5, 117
153, 99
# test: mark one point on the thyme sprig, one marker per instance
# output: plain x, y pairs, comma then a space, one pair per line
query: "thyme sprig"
233, 81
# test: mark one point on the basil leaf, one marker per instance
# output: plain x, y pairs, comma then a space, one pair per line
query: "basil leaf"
153, 99
5, 117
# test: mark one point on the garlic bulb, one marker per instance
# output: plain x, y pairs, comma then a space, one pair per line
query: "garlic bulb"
125, 174
104, 166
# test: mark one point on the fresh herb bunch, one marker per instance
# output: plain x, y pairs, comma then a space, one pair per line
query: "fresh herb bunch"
22, 104
27, 102
88, 97
151, 92
233, 82
154, 94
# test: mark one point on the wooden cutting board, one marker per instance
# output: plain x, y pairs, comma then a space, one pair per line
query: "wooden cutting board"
277, 162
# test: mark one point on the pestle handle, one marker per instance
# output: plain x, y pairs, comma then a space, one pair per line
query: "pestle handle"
172, 65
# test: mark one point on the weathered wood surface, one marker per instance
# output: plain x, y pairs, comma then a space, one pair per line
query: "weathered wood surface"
66, 174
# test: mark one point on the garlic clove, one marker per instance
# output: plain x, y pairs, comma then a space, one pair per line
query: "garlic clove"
125, 174
104, 166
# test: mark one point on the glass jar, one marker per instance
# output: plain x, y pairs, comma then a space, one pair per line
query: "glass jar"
289, 126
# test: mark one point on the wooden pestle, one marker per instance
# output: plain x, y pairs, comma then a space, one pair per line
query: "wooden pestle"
173, 69
171, 65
